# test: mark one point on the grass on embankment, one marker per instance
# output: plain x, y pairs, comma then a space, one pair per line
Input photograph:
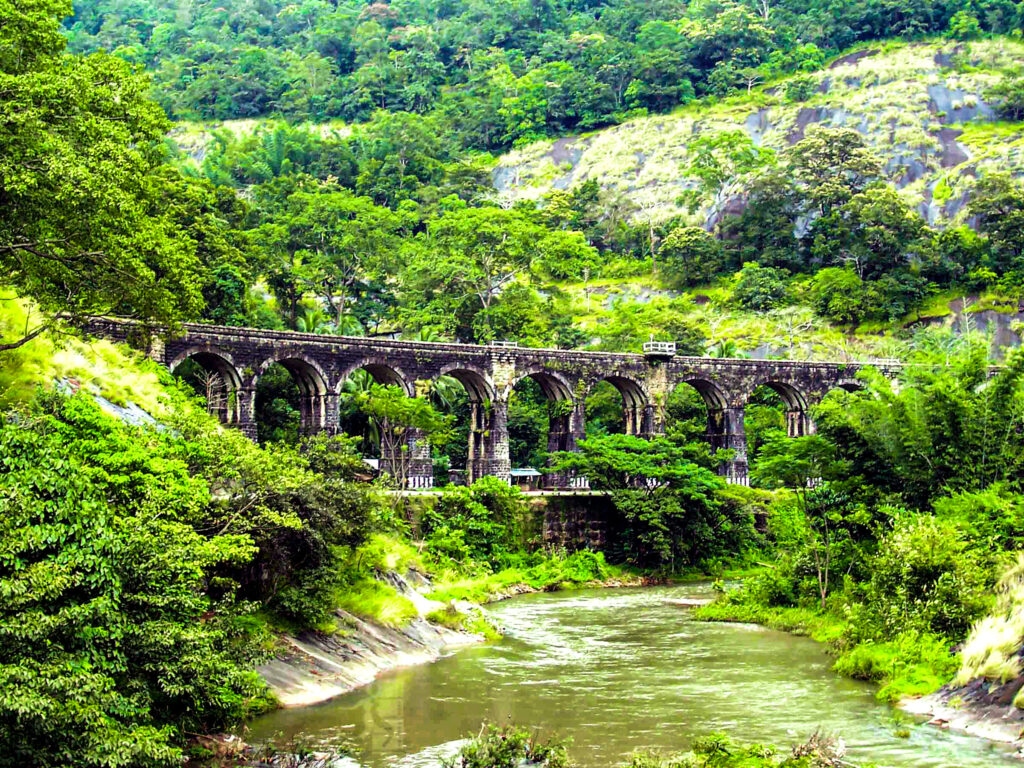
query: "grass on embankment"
557, 572
912, 664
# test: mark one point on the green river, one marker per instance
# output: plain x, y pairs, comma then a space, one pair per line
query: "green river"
621, 670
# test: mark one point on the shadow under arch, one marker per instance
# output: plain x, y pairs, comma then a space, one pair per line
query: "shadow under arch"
636, 415
694, 399
382, 372
311, 382
219, 383
566, 421
476, 382
798, 417
475, 412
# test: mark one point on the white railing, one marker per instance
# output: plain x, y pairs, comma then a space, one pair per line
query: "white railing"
659, 348
505, 344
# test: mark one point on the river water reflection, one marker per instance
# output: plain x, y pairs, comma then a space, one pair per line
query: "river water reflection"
620, 670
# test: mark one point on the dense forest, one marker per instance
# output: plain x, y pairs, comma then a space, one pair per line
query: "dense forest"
492, 74
149, 562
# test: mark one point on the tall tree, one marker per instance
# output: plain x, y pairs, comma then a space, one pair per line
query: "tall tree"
84, 229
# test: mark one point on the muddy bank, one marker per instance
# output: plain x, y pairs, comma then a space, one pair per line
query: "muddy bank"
312, 667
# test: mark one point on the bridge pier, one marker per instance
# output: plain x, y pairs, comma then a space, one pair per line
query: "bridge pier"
565, 430
246, 410
726, 431
799, 423
421, 465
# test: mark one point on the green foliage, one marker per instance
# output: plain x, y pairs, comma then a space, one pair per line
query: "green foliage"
481, 522
940, 430
911, 664
927, 577
538, 571
493, 75
718, 750
1009, 92
373, 600
120, 629
691, 256
963, 25
759, 288
88, 225
666, 495
509, 747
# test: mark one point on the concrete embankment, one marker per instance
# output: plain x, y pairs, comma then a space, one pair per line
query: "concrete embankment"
315, 666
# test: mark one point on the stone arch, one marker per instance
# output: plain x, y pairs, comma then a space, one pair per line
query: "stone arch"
636, 402
382, 371
222, 387
307, 372
487, 432
477, 383
798, 418
566, 419
312, 382
553, 384
715, 398
724, 424
214, 358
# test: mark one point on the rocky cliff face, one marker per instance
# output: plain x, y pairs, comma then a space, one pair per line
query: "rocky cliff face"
922, 107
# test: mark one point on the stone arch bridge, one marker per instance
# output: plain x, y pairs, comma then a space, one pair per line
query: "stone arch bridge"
320, 365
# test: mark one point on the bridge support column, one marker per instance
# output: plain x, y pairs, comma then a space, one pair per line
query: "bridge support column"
408, 461
497, 462
799, 423
488, 441
246, 410
421, 465
565, 430
331, 413
312, 413
725, 430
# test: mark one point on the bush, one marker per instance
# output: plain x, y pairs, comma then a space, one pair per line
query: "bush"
924, 578
481, 522
911, 664
759, 288
838, 295
509, 747
118, 632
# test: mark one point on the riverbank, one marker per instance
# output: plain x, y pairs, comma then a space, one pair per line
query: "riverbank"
314, 666
913, 684
981, 708
619, 670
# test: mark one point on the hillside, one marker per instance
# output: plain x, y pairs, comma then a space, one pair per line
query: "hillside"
921, 107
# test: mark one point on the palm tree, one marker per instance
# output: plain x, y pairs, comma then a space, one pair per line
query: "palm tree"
726, 348
357, 387
313, 321
348, 325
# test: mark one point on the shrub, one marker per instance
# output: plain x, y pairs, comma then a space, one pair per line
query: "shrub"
509, 747
480, 522
759, 288
924, 578
117, 633
911, 664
